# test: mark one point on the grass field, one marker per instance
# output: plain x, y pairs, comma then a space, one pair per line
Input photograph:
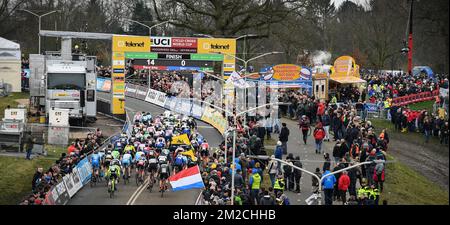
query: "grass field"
406, 187
11, 101
427, 105
17, 174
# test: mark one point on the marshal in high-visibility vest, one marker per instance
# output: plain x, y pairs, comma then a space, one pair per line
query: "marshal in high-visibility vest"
256, 181
279, 184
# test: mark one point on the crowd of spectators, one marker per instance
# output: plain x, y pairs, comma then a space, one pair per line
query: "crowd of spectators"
44, 180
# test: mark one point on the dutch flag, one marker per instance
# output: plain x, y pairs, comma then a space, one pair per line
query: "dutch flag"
187, 179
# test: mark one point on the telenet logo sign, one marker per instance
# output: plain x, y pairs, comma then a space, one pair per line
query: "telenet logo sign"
131, 44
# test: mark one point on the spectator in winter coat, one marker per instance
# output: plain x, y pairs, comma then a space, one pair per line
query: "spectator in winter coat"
297, 173
343, 184
326, 121
284, 137
279, 150
304, 127
328, 187
337, 151
327, 163
273, 169
319, 135
267, 199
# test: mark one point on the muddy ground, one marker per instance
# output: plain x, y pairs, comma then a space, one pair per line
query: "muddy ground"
430, 160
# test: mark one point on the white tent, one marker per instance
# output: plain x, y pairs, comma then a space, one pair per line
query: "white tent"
10, 66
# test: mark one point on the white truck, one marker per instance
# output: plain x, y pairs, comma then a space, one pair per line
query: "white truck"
61, 83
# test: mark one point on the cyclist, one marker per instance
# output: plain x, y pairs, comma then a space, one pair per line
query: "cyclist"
113, 172
115, 154
108, 159
140, 167
126, 162
179, 163
95, 162
129, 149
164, 173
152, 166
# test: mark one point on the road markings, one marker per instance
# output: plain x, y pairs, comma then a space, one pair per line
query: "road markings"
144, 187
135, 192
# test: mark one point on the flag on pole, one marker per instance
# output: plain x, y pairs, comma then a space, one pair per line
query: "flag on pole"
189, 178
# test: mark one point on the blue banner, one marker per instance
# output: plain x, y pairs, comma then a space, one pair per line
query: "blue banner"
85, 170
100, 82
371, 107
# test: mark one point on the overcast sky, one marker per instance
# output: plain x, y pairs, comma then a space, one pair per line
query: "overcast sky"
364, 3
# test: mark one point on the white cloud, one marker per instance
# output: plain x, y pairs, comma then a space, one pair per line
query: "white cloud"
363, 3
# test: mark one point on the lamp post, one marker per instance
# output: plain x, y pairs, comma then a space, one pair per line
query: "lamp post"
150, 35
40, 21
223, 84
320, 179
245, 68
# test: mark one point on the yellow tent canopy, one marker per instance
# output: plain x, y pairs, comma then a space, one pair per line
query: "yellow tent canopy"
348, 80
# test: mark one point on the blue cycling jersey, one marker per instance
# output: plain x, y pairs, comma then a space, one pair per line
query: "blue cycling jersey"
95, 158
138, 155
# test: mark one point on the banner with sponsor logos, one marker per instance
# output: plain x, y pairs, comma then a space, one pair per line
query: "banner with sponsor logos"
70, 185
174, 44
141, 92
443, 92
84, 169
120, 45
197, 111
60, 194
130, 90
156, 97
222, 45
104, 84
371, 107
215, 118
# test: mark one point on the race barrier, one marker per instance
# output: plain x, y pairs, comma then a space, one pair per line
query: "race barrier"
186, 107
415, 98
71, 183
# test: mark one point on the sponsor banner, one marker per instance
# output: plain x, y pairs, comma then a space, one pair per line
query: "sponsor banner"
371, 107
76, 179
174, 44
49, 199
60, 194
70, 186
123, 43
156, 97
84, 171
197, 111
345, 66
223, 45
141, 55
171, 68
141, 92
215, 118
130, 90
171, 104
100, 82
185, 107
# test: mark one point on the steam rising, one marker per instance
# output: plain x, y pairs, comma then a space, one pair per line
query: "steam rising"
320, 58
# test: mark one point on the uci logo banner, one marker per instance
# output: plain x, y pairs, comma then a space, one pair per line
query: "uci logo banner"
130, 44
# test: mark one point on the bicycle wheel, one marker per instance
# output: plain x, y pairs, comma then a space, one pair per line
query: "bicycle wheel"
137, 179
111, 193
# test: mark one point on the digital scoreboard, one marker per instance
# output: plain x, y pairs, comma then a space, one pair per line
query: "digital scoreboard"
178, 61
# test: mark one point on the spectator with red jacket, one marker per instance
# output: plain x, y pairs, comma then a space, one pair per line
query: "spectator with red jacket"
343, 184
319, 135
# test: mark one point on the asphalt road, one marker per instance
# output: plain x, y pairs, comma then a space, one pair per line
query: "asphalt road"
308, 157
131, 193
